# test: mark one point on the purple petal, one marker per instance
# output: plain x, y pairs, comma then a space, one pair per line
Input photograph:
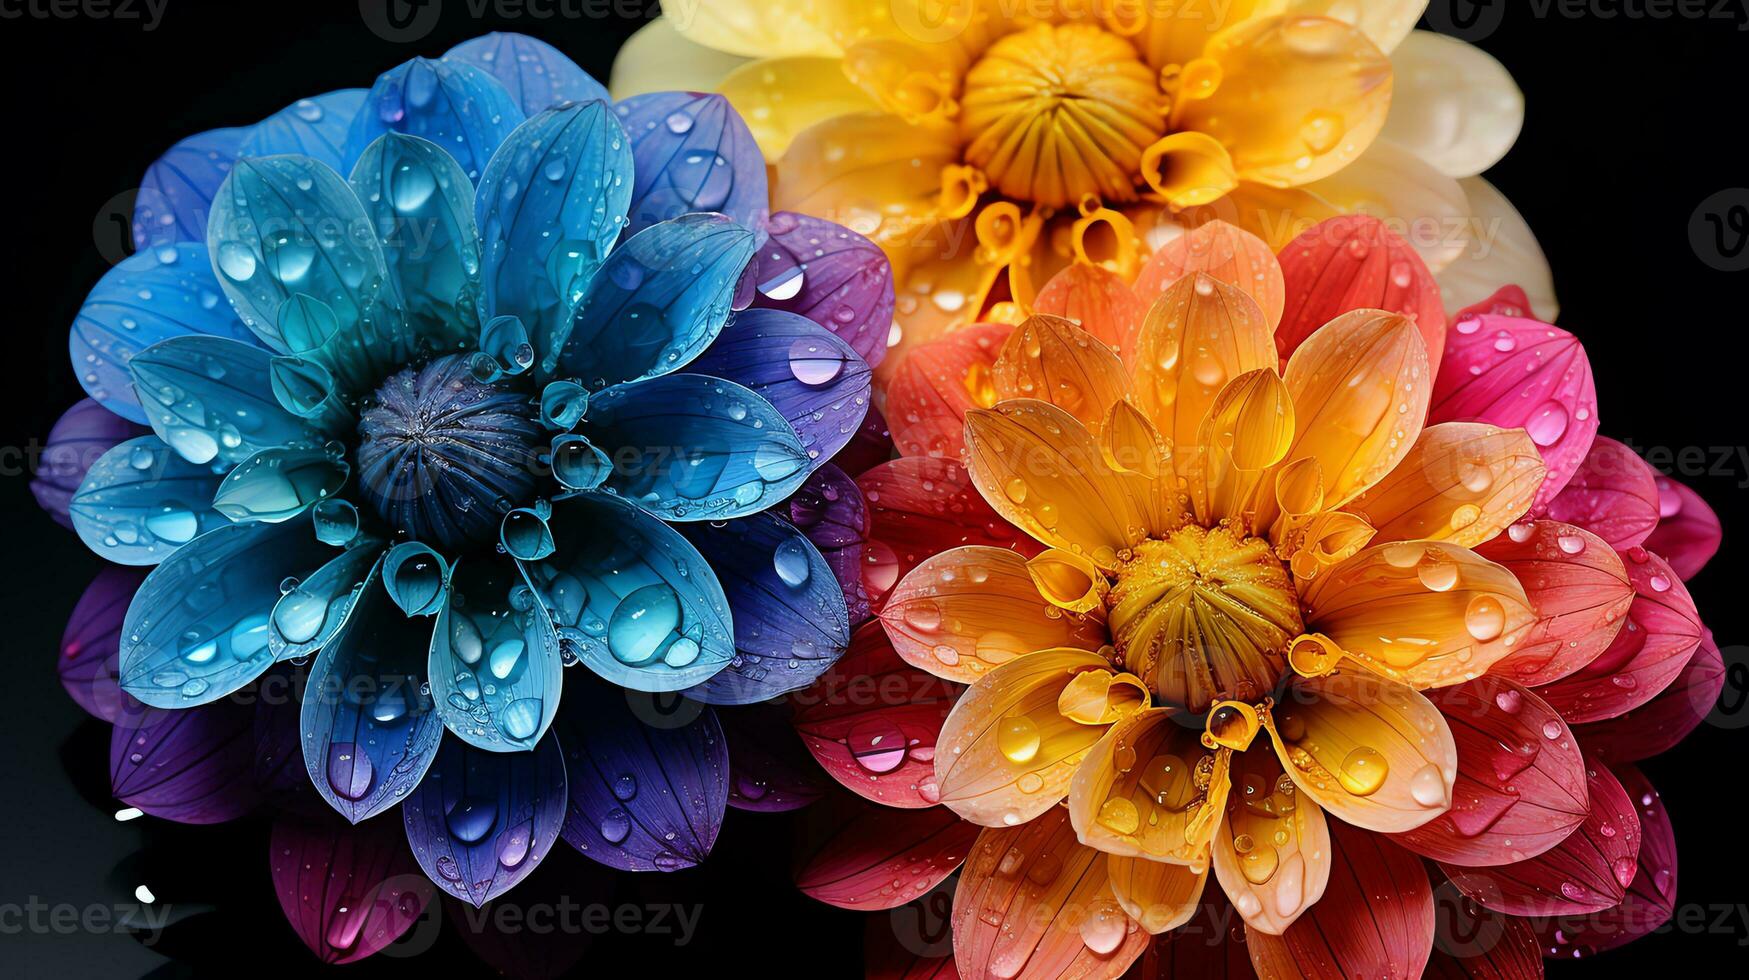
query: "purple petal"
691, 152
643, 797
91, 646
78, 439
830, 510
348, 891
279, 754
190, 766
536, 74
481, 821
786, 605
769, 768
832, 276
811, 376
176, 194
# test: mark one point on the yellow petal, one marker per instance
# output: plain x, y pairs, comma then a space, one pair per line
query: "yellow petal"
1462, 482
1452, 104
1370, 751
1189, 169
1245, 433
1068, 581
1272, 854
1426, 613
872, 172
1130, 445
1386, 22
965, 611
1360, 388
1159, 896
1007, 752
1198, 335
918, 82
1053, 360
1503, 250
1175, 33
658, 59
1293, 99
1043, 471
1228, 253
780, 97
1151, 790
757, 28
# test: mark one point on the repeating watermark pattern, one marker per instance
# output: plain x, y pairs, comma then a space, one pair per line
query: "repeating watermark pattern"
410, 21
148, 14
1475, 20
37, 916
668, 923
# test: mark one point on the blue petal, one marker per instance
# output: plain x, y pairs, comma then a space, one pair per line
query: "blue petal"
692, 152
549, 206
176, 194
198, 628
659, 300
533, 71
831, 511
790, 619
687, 447
811, 375
481, 821
422, 207
140, 502
455, 105
369, 730
495, 669
279, 483
308, 615
163, 292
212, 398
315, 128
631, 598
415, 577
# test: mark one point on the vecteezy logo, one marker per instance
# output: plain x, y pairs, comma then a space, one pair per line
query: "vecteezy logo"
400, 21
112, 230
1470, 20
924, 925
1719, 230
933, 21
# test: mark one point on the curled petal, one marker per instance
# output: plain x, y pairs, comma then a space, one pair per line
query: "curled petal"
1150, 789
1095, 299
1053, 360
919, 506
1033, 902
537, 75
832, 276
190, 766
1520, 786
91, 645
197, 389
831, 511
873, 721
1688, 531
494, 667
449, 102
140, 502
866, 849
1588, 871
348, 891
1226, 252
690, 153
1661, 723
176, 193
1272, 853
1159, 896
1508, 254
77, 440
770, 770
1370, 751
937, 383
1578, 588
1462, 482
1355, 262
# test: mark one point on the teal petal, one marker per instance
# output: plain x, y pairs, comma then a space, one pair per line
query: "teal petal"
140, 501
525, 533
280, 483
549, 206
577, 464
534, 72
336, 521
308, 390
452, 104
687, 447
212, 399
315, 607
631, 598
422, 207
495, 668
562, 404
414, 576
198, 627
315, 128
658, 302
506, 341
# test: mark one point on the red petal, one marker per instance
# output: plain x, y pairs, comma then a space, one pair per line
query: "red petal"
1518, 373
1688, 531
1521, 782
1656, 642
871, 857
1660, 723
1210, 945
1613, 494
937, 383
1095, 298
1650, 899
1587, 872
347, 890
1578, 588
1354, 262
920, 507
872, 721
1375, 919
923, 949
1475, 943
1506, 301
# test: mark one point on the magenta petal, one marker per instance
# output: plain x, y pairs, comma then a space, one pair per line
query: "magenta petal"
347, 890
1613, 494
192, 765
1650, 899
91, 647
1659, 724
1506, 301
1654, 644
830, 511
1515, 373
769, 769
78, 438
1688, 531
832, 276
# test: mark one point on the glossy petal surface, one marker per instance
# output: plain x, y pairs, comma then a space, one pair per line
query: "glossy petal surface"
1151, 790
176, 193
140, 502
936, 384
189, 766
920, 506
691, 153
1578, 588
348, 891
1462, 482
451, 103
831, 511
832, 276
874, 858
315, 127
770, 771
1688, 532
1651, 896
1355, 262
91, 644
77, 440
210, 399
1662, 723
536, 74
494, 670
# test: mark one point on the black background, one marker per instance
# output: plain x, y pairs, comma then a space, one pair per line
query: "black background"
1632, 124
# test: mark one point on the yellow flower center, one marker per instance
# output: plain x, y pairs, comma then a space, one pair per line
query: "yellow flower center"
1204, 615
1057, 112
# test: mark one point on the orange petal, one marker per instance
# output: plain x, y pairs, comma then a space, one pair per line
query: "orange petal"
1370, 751
1031, 902
1462, 482
1272, 855
1159, 896
1246, 432
1096, 299
1043, 471
937, 383
1007, 752
1386, 22
1228, 253
1053, 360
1360, 387
1426, 613
1151, 790
871, 172
965, 611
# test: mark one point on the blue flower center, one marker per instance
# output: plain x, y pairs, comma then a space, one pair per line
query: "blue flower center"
444, 456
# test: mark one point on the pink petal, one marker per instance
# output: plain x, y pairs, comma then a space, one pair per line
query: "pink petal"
1506, 301
1517, 373
1613, 494
1660, 723
937, 383
873, 858
1355, 262
919, 507
1688, 531
1578, 588
348, 890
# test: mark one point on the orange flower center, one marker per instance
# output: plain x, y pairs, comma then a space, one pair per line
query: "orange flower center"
1058, 112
